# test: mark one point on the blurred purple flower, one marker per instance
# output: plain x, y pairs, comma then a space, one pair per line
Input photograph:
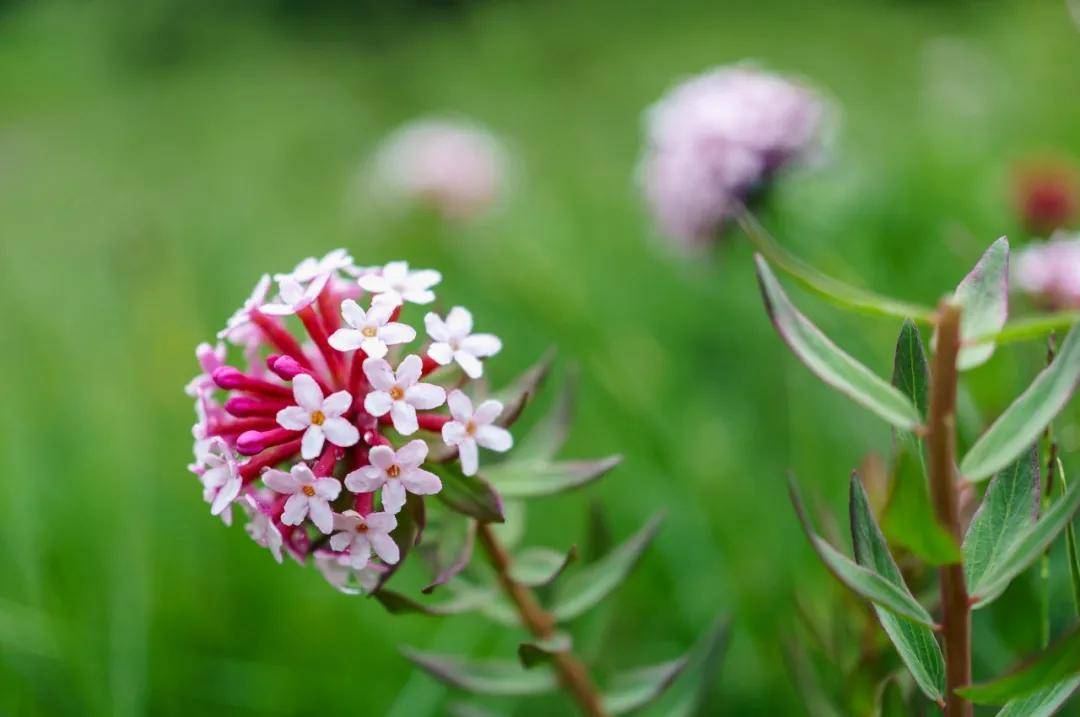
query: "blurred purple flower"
454, 167
1050, 271
716, 138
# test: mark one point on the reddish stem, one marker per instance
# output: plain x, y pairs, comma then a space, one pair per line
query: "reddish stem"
318, 334
282, 340
250, 470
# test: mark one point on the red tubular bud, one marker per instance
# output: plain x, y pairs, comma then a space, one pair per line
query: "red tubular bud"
250, 406
251, 443
231, 378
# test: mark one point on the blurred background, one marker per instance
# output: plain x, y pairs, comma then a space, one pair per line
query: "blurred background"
156, 157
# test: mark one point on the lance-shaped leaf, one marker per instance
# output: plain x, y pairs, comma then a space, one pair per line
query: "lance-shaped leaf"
470, 495
1008, 509
909, 519
634, 689
451, 550
1022, 422
1026, 548
860, 580
1041, 703
539, 652
1072, 554
1055, 664
398, 604
549, 434
828, 362
690, 693
984, 298
534, 479
488, 677
911, 372
517, 395
916, 643
582, 590
536, 567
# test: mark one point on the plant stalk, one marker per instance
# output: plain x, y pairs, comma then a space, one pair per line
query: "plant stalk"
941, 442
573, 675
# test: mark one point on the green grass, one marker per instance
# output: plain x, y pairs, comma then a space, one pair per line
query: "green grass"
153, 162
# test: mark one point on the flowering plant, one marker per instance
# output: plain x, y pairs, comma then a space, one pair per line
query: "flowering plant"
330, 444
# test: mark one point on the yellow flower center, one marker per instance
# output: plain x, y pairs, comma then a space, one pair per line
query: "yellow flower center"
317, 418
396, 393
470, 428
394, 471
309, 491
361, 527
369, 331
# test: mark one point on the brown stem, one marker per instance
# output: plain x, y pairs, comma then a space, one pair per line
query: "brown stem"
572, 671
941, 441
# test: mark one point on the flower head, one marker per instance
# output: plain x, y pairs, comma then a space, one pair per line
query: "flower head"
715, 139
455, 168
453, 340
395, 473
470, 429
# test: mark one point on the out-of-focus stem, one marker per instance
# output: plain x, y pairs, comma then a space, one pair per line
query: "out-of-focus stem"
941, 442
572, 671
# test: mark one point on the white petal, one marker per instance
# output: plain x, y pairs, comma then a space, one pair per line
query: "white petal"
277, 309
453, 433
337, 404
422, 482
382, 457
312, 443
468, 453
372, 283
346, 339
385, 548
359, 554
226, 495
294, 418
296, 509
404, 417
412, 454
393, 496
418, 297
280, 481
487, 411
424, 279
482, 345
381, 522
396, 333
469, 364
340, 541
365, 480
396, 272
373, 347
379, 374
408, 371
461, 407
352, 313
459, 321
378, 403
494, 438
340, 432
380, 313
307, 392
436, 327
321, 515
425, 396
327, 488
441, 353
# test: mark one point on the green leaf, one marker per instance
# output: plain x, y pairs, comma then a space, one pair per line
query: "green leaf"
1008, 509
860, 580
916, 644
909, 519
1042, 703
1070, 544
1030, 327
911, 373
984, 297
1022, 422
489, 677
1026, 548
585, 588
536, 567
398, 604
689, 694
449, 553
634, 689
539, 652
890, 700
410, 526
828, 362
533, 479
470, 495
1059, 662
549, 434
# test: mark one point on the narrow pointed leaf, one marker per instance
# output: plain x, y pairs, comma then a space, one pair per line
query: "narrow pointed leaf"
410, 526
916, 644
634, 689
984, 297
518, 395
398, 604
582, 590
1070, 544
491, 677
830, 363
909, 520
1027, 548
470, 495
598, 540
911, 372
539, 652
890, 700
1041, 703
1022, 422
690, 693
860, 580
536, 567
451, 551
534, 479
1059, 662
1008, 510
548, 436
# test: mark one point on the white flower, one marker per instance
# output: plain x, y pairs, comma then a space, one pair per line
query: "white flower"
470, 428
209, 358
308, 495
400, 395
319, 419
362, 535
454, 341
239, 330
396, 284
262, 529
338, 571
395, 473
371, 331
220, 477
311, 268
294, 296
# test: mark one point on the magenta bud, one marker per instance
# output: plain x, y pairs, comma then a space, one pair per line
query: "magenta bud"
287, 367
249, 443
228, 377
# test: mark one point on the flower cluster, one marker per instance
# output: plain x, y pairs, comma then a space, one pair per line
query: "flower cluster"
324, 432
715, 139
1050, 271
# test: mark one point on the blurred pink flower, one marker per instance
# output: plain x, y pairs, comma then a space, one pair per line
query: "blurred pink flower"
456, 168
716, 138
1050, 271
